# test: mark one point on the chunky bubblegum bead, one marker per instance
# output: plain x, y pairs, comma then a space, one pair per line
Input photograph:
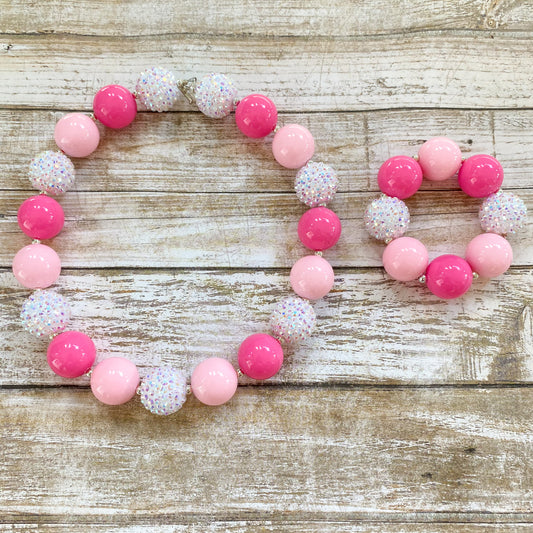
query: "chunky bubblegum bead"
51, 172
292, 320
489, 255
157, 89
502, 213
386, 218
36, 266
40, 217
260, 356
45, 313
76, 134
311, 277
71, 354
400, 176
215, 95
480, 175
293, 146
440, 158
114, 106
448, 276
114, 381
164, 390
316, 183
319, 228
256, 116
214, 381
405, 259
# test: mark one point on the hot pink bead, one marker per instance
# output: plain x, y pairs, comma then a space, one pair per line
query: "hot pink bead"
40, 217
77, 135
311, 277
480, 176
489, 255
400, 176
405, 259
448, 276
214, 381
256, 116
114, 106
114, 381
319, 228
36, 266
440, 158
260, 356
293, 146
71, 354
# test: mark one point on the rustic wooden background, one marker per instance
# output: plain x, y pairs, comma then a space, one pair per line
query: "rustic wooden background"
403, 413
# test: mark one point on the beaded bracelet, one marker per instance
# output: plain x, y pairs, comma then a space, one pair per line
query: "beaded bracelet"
37, 266
405, 259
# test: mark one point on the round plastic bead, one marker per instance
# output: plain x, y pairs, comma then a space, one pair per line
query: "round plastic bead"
45, 313
316, 184
502, 213
319, 228
40, 217
76, 134
405, 259
36, 266
480, 175
386, 218
489, 255
448, 276
51, 172
164, 390
439, 158
311, 277
292, 320
157, 89
71, 354
114, 381
114, 106
214, 381
293, 146
260, 356
400, 176
256, 116
216, 95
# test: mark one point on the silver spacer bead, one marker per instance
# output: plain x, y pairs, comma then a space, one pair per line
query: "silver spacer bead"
387, 241
188, 390
239, 373
475, 275
138, 391
422, 278
89, 372
36, 241
277, 128
415, 157
319, 253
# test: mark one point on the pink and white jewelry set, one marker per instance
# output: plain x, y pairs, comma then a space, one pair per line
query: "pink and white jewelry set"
37, 266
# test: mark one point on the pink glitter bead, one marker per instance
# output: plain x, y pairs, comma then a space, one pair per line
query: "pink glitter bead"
405, 259
114, 106
489, 255
114, 381
214, 381
36, 266
311, 277
293, 146
440, 158
400, 176
480, 176
319, 228
77, 135
71, 354
260, 356
40, 217
448, 276
256, 116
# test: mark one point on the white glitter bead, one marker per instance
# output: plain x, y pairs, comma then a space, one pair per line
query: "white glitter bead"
164, 390
45, 313
292, 320
51, 172
157, 89
316, 184
215, 95
502, 213
386, 218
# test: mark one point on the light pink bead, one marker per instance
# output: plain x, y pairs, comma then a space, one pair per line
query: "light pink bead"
489, 255
293, 146
480, 176
40, 217
114, 106
440, 158
114, 381
405, 259
260, 356
214, 381
319, 228
400, 176
77, 135
36, 266
448, 276
256, 116
71, 354
311, 277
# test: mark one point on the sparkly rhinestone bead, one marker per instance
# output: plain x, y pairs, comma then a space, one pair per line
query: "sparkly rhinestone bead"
386, 218
164, 390
215, 95
503, 213
51, 172
157, 89
292, 320
316, 184
45, 313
